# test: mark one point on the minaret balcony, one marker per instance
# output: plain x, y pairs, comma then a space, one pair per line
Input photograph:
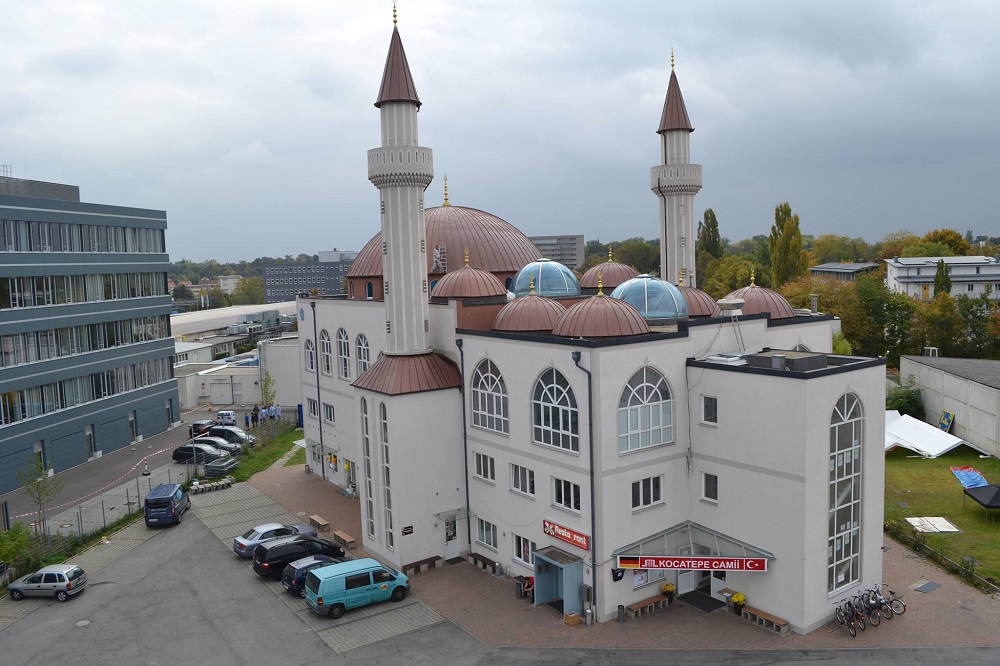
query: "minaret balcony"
676, 178
405, 165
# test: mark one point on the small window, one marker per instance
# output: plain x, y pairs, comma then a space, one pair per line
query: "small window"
972, 287
485, 467
357, 580
647, 492
524, 550
522, 480
328, 413
487, 534
313, 407
710, 487
709, 409
566, 494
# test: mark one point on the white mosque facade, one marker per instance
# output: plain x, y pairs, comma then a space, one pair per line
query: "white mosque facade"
602, 446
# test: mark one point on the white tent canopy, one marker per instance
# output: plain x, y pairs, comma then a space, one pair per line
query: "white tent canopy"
917, 436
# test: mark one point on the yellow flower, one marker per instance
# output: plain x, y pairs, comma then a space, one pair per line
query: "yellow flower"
739, 598
667, 588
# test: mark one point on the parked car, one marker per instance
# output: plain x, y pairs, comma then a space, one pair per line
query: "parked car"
200, 427
198, 454
332, 589
233, 435
226, 417
271, 557
293, 578
165, 504
59, 580
244, 545
219, 443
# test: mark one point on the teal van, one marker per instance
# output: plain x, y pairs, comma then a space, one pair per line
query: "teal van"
333, 589
165, 504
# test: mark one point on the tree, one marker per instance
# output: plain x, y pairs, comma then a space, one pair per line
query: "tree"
960, 247
13, 544
838, 298
829, 248
894, 244
905, 398
39, 486
840, 344
942, 280
926, 248
249, 291
267, 396
788, 259
976, 315
709, 239
892, 316
182, 292
640, 254
731, 273
942, 324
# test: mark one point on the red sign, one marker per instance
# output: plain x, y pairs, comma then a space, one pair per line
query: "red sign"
581, 541
686, 562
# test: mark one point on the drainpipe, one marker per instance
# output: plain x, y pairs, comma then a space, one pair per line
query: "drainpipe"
465, 444
593, 483
319, 402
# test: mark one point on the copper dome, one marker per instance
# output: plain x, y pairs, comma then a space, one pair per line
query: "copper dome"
494, 245
699, 303
600, 317
611, 274
760, 299
526, 314
468, 282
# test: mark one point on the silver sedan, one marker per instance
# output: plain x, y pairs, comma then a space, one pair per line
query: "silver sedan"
244, 544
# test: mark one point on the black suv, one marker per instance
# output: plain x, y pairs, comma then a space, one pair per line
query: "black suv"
271, 557
200, 427
198, 454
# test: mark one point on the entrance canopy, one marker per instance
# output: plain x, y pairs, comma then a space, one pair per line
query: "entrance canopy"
683, 538
923, 438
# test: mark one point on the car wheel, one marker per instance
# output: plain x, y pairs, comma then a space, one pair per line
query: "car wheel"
337, 611
398, 593
16, 595
62, 595
179, 516
302, 592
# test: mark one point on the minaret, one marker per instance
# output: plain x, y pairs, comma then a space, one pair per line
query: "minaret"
675, 182
402, 170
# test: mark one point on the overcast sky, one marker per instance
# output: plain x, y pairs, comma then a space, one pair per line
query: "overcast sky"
249, 121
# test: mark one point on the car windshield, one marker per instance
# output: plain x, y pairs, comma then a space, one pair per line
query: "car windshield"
74, 573
289, 571
251, 535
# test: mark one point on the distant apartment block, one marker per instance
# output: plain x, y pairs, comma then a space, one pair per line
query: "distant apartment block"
971, 276
282, 282
567, 250
85, 344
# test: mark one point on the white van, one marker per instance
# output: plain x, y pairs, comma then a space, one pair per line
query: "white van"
333, 589
226, 417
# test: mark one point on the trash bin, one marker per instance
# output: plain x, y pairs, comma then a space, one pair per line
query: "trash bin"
519, 589
621, 612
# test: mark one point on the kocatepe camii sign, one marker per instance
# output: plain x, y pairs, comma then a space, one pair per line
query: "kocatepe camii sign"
556, 530
699, 563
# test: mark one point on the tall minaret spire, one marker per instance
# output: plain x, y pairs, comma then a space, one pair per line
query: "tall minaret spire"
675, 182
402, 170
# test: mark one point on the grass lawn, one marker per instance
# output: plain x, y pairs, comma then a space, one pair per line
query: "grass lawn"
265, 455
928, 488
298, 459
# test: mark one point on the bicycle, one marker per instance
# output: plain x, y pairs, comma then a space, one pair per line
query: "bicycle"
352, 492
856, 611
880, 602
869, 608
897, 605
845, 618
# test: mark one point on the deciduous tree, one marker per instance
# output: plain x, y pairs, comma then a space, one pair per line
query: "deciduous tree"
942, 280
788, 259
960, 247
39, 486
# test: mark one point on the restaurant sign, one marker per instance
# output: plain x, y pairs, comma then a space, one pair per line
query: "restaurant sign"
687, 562
581, 541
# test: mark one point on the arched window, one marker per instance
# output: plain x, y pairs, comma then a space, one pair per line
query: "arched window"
326, 352
847, 427
310, 355
364, 355
489, 398
369, 293
554, 413
343, 354
645, 416
366, 451
386, 485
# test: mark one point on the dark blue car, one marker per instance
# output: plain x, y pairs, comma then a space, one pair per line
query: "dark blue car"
293, 578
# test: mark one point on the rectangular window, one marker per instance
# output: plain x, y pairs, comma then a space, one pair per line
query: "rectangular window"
972, 287
487, 534
710, 487
647, 492
328, 413
709, 409
524, 550
522, 479
566, 494
485, 467
313, 407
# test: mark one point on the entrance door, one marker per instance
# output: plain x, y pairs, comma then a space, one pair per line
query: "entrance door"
686, 580
450, 537
350, 473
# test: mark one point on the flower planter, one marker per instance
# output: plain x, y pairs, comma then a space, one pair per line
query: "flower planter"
738, 609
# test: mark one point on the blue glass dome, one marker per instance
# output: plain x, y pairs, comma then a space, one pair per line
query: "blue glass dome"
551, 279
653, 298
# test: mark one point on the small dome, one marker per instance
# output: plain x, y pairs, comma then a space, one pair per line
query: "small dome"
652, 297
550, 279
610, 273
760, 299
600, 317
468, 282
529, 314
699, 303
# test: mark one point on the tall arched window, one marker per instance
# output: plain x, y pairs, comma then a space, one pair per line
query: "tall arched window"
846, 451
645, 415
326, 352
369, 293
386, 485
554, 413
489, 398
310, 355
343, 354
364, 354
366, 451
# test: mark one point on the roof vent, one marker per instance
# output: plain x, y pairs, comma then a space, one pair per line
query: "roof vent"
729, 304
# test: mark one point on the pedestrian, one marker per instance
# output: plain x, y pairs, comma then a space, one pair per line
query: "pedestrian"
270, 412
255, 416
246, 420
277, 411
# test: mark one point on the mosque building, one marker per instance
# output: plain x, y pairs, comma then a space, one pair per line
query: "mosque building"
604, 435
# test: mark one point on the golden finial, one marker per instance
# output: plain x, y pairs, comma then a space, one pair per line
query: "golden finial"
394, 14
671, 51
610, 258
446, 202
600, 284
752, 278
680, 278
531, 285
466, 257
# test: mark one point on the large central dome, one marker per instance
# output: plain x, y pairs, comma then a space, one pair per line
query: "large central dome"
494, 245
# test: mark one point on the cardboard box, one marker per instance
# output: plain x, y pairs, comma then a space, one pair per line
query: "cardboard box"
572, 619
